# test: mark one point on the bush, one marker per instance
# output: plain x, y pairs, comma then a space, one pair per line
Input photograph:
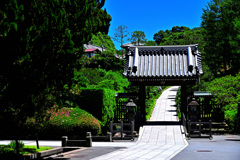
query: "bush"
67, 121
227, 94
13, 145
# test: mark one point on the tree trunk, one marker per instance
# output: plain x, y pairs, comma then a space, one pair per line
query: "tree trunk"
17, 146
142, 99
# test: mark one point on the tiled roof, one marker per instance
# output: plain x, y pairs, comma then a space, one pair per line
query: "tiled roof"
92, 46
131, 44
159, 62
91, 50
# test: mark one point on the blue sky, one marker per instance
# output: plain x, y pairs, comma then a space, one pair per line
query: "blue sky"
150, 16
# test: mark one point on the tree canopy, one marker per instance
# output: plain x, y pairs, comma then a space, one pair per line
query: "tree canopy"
138, 37
178, 36
40, 42
120, 34
220, 23
104, 40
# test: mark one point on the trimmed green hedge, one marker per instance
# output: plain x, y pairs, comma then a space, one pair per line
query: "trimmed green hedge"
99, 102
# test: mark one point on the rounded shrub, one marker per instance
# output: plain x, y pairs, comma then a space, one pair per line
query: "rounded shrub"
72, 122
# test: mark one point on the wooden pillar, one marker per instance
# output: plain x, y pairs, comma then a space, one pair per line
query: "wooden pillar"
184, 100
142, 99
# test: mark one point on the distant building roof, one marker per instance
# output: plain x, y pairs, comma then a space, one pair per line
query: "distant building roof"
130, 44
91, 50
92, 46
163, 63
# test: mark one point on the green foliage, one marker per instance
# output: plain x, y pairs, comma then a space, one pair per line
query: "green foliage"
66, 121
7, 151
106, 60
138, 37
120, 34
158, 37
99, 102
38, 45
104, 40
98, 97
226, 89
98, 94
114, 81
151, 43
220, 23
227, 94
13, 145
79, 80
100, 78
94, 76
179, 36
205, 79
104, 20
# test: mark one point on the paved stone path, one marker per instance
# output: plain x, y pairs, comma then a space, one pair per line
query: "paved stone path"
160, 139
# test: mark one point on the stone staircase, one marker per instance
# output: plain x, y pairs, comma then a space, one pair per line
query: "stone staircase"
220, 127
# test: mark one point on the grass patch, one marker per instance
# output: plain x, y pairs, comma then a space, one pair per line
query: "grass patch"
8, 150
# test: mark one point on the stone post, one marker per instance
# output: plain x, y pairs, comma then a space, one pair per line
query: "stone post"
64, 141
132, 129
89, 139
109, 136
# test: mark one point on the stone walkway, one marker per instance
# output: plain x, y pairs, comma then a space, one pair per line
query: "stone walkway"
160, 139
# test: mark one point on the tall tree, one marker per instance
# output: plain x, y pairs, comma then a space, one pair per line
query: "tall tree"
104, 22
220, 23
39, 42
231, 19
138, 37
120, 34
160, 35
